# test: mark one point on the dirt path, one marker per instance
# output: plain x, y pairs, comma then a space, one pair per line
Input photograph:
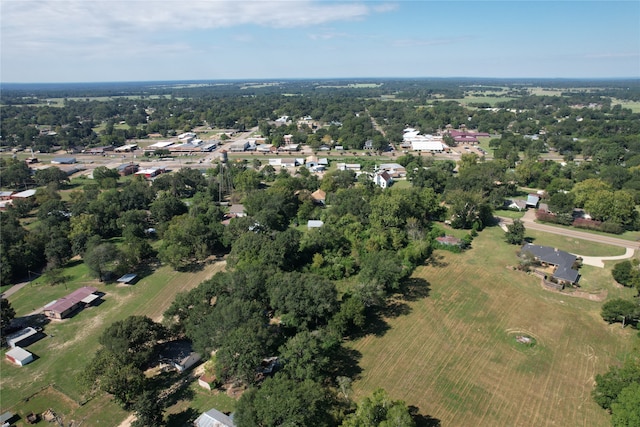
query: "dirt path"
127, 421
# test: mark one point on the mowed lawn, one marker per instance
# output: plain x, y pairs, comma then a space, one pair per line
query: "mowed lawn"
70, 344
455, 355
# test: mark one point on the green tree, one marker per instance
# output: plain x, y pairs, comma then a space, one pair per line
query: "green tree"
148, 409
239, 354
303, 300
625, 410
133, 340
15, 173
99, 258
50, 175
609, 385
105, 177
284, 402
515, 232
627, 273
383, 267
107, 373
7, 313
621, 310
380, 410
306, 356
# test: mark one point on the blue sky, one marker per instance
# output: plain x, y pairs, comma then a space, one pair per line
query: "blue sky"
143, 40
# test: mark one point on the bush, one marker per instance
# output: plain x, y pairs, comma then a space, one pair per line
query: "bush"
590, 224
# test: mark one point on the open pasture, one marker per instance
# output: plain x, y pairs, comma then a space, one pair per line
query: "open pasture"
455, 354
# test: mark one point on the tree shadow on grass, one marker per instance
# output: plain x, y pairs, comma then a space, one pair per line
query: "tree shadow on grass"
436, 260
181, 419
345, 362
423, 420
395, 307
415, 288
173, 386
374, 324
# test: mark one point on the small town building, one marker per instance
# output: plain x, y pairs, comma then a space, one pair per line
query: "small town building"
127, 169
24, 337
532, 200
150, 173
24, 194
239, 146
214, 418
207, 381
19, 356
382, 179
66, 306
126, 148
128, 279
314, 223
63, 160
179, 354
319, 196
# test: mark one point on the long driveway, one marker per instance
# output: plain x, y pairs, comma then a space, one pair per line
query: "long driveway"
529, 222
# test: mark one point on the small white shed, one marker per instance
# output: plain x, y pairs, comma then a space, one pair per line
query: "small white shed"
19, 356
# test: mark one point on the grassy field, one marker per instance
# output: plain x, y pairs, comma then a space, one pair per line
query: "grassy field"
51, 380
454, 353
573, 245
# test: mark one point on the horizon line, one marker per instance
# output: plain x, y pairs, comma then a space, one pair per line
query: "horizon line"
276, 79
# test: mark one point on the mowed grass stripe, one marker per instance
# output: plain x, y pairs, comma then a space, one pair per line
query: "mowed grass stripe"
454, 355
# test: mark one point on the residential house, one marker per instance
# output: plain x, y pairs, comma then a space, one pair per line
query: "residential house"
396, 170
532, 200
180, 355
66, 306
516, 204
319, 196
382, 179
314, 223
561, 260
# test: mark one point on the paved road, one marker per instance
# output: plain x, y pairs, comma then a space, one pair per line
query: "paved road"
529, 222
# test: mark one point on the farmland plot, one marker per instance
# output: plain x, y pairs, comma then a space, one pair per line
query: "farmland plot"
489, 346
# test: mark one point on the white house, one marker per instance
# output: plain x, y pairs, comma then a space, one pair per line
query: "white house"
382, 179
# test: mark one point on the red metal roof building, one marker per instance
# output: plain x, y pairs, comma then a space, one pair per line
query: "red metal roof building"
65, 306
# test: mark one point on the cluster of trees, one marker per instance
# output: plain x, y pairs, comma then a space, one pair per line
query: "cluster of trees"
625, 311
127, 348
618, 391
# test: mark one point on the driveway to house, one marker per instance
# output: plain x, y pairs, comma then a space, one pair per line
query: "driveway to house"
596, 261
529, 221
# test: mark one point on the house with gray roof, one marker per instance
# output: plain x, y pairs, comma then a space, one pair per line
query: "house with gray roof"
563, 262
